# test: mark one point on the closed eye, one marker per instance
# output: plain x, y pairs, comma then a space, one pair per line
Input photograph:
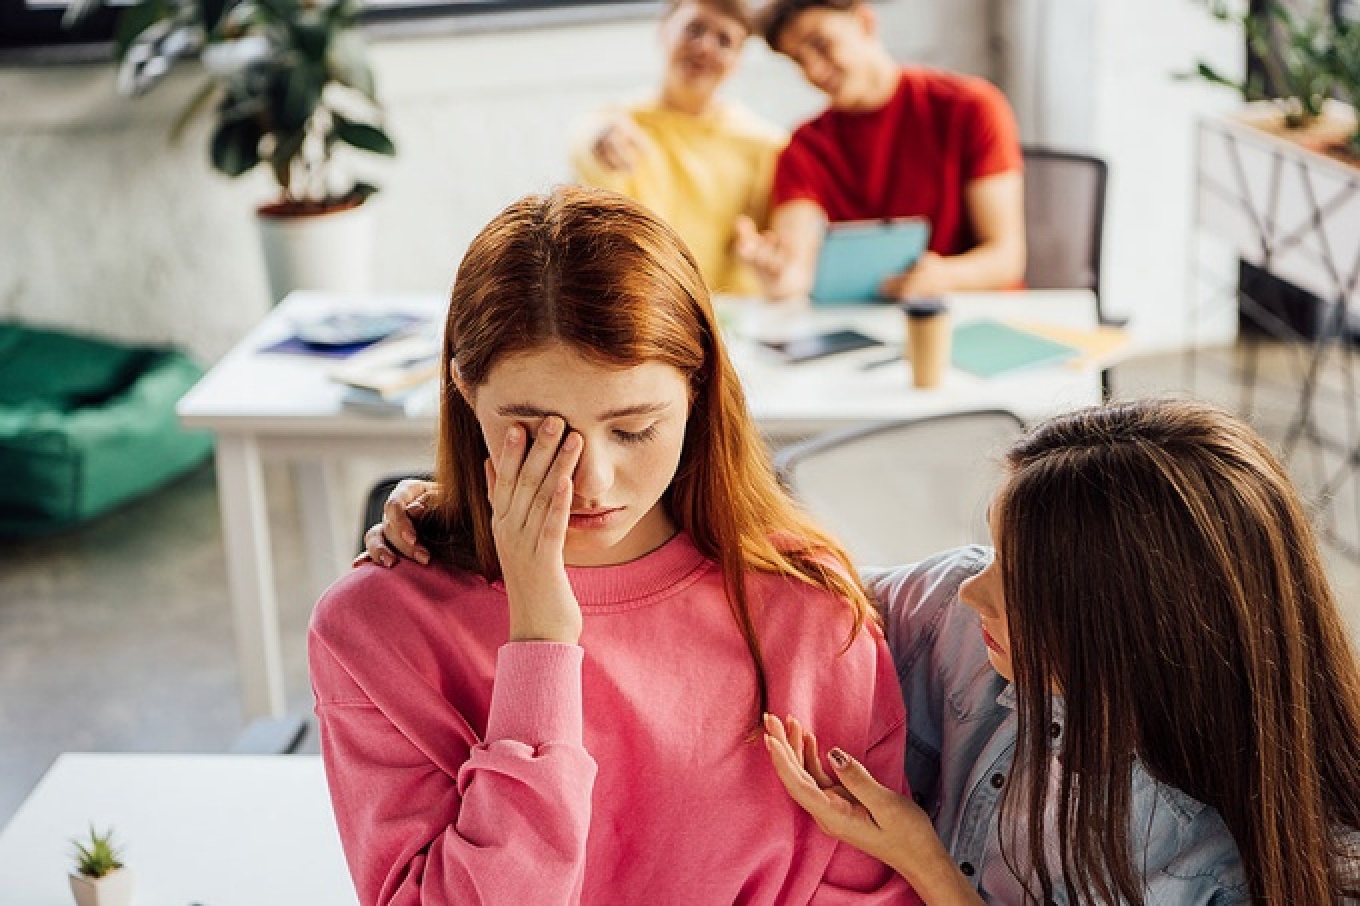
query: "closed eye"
636, 437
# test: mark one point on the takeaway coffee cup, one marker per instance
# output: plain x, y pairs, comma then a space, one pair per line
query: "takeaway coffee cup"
927, 346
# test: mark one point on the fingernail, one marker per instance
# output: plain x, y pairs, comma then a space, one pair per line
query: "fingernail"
423, 557
385, 560
839, 758
408, 537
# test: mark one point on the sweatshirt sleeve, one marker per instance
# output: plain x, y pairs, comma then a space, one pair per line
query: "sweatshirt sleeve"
506, 825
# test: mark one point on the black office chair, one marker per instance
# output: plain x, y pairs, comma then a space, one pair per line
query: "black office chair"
1065, 224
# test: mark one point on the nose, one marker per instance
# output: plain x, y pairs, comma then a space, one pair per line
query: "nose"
817, 70
594, 474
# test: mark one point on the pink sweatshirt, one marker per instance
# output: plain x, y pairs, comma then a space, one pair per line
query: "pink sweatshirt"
467, 769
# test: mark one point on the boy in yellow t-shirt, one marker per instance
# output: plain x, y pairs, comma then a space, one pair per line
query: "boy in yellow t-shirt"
698, 162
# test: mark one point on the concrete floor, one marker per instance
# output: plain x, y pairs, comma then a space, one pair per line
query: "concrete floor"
117, 637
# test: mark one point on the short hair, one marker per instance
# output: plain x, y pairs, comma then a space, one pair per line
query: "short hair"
775, 15
739, 10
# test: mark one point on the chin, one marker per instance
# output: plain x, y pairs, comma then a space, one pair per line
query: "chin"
1001, 665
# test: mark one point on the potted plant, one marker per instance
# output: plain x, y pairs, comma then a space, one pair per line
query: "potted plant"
1290, 95
291, 86
1345, 59
99, 878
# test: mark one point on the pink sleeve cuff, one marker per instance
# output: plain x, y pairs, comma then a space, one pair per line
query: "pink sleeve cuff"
536, 697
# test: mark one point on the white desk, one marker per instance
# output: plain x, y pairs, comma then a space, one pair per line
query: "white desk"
220, 830
285, 406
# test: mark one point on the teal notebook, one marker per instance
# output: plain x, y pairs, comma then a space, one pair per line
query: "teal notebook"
989, 348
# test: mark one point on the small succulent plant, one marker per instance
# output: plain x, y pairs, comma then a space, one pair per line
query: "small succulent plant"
97, 856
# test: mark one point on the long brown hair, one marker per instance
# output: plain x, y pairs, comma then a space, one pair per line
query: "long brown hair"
596, 271
1160, 572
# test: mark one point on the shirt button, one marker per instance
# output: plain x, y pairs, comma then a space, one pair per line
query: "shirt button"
998, 780
966, 868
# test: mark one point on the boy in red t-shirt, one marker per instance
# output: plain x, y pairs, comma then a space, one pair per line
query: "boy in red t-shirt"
895, 142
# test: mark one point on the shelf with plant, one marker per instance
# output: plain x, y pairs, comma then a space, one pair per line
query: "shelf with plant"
1306, 86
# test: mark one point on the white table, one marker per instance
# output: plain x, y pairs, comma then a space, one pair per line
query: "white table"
270, 405
220, 830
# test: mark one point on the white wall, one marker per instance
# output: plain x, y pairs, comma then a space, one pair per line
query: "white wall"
1093, 75
105, 227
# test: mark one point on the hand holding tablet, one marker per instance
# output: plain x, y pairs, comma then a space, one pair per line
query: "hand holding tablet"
856, 257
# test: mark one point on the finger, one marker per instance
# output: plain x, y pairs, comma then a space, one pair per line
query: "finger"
894, 287
608, 154
796, 738
831, 813
812, 759
775, 727
627, 149
554, 498
398, 526
376, 547
858, 782
531, 482
507, 467
411, 490
789, 769
420, 506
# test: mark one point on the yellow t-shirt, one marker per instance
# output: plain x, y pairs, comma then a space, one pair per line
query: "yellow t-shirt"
699, 174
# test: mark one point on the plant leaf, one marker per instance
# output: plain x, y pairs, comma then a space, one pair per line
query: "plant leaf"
363, 136
302, 94
285, 151
236, 146
134, 21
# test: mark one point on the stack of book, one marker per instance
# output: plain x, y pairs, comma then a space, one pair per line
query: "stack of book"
398, 376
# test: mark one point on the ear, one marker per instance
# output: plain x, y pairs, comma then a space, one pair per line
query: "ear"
868, 18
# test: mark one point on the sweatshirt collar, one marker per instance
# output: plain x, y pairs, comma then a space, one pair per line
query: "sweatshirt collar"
653, 576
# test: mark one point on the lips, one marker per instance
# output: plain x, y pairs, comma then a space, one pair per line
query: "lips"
593, 519
991, 642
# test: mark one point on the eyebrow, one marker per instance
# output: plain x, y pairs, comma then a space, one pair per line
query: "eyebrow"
528, 410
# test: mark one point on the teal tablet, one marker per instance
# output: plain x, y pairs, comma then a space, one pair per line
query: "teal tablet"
857, 256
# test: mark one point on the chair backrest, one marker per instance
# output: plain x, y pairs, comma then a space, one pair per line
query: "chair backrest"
898, 491
1064, 219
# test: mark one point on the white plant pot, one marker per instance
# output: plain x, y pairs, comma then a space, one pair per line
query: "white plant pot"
114, 889
331, 251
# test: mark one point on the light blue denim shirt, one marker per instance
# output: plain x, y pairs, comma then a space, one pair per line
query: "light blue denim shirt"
961, 737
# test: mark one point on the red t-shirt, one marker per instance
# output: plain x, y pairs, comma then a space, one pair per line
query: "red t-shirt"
910, 158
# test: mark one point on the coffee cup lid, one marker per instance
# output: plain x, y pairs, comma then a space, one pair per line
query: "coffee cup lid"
923, 308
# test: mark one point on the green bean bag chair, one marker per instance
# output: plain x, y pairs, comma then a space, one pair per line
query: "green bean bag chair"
86, 425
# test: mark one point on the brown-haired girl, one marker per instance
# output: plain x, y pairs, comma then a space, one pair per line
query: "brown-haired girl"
562, 706
1144, 694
